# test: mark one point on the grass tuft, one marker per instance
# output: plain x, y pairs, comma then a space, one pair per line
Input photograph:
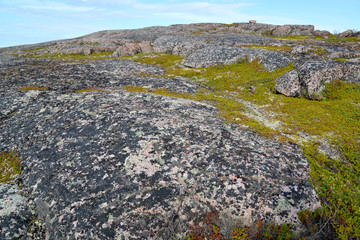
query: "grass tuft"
10, 166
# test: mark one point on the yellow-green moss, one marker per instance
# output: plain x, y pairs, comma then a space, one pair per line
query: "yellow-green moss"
331, 38
29, 88
10, 166
33, 49
283, 48
79, 56
90, 90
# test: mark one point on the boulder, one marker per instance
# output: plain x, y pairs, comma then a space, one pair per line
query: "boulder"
127, 49
252, 21
348, 33
323, 33
315, 74
289, 84
87, 51
214, 55
312, 76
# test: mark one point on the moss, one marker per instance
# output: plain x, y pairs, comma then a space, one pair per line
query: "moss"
318, 50
344, 60
10, 166
90, 90
92, 43
30, 88
32, 49
74, 56
331, 38
283, 48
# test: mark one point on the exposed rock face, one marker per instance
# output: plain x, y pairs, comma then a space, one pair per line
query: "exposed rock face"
14, 213
321, 33
289, 84
227, 55
348, 33
111, 164
114, 165
312, 76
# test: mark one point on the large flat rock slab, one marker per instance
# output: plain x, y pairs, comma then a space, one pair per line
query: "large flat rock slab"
131, 165
214, 55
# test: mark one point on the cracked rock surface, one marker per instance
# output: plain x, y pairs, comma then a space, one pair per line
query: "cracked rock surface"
112, 164
118, 164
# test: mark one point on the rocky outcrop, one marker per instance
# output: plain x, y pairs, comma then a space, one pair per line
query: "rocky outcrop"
113, 164
289, 84
227, 55
310, 79
348, 33
105, 163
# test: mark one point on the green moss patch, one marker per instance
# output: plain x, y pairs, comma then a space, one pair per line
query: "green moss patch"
78, 56
283, 48
30, 88
10, 166
331, 38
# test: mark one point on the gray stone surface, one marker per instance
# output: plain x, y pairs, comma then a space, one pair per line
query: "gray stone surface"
14, 213
289, 84
310, 79
314, 75
116, 164
113, 164
214, 55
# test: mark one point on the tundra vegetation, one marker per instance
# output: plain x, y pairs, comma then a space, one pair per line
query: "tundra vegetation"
244, 94
334, 120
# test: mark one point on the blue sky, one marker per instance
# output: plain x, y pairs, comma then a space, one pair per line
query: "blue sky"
33, 21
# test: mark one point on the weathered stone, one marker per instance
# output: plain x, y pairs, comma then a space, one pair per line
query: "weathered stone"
122, 164
321, 33
14, 213
315, 74
214, 55
301, 49
252, 21
88, 51
282, 31
289, 84
111, 164
348, 33
127, 49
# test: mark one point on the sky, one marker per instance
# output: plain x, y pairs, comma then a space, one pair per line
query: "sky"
34, 21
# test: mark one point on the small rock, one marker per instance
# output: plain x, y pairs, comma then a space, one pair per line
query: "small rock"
87, 51
252, 21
